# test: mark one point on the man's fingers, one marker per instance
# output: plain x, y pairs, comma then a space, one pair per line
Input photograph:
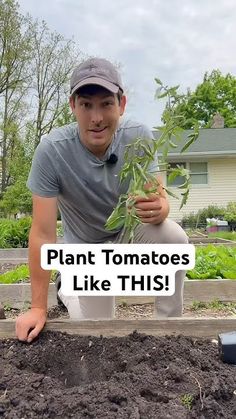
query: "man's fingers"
22, 336
21, 332
145, 206
33, 333
150, 197
28, 332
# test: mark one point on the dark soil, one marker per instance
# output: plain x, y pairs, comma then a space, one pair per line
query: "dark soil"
135, 377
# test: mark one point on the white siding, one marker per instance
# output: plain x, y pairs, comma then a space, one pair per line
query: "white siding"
220, 190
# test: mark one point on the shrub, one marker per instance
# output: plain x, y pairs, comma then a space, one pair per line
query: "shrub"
189, 221
230, 214
199, 219
14, 233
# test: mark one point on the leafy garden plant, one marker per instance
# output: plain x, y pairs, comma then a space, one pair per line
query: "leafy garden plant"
141, 155
20, 274
14, 233
214, 262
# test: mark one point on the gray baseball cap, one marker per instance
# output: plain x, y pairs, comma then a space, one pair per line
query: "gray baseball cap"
96, 71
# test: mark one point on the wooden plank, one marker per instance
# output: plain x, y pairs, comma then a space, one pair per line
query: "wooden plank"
209, 290
206, 291
231, 244
17, 295
19, 255
210, 240
207, 327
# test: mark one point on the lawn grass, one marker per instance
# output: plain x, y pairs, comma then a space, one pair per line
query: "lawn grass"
228, 235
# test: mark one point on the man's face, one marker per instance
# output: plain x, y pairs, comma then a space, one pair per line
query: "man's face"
98, 116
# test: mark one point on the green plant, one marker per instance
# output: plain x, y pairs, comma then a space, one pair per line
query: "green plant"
230, 214
228, 235
214, 262
221, 306
198, 305
194, 220
17, 275
123, 304
7, 307
14, 233
189, 221
214, 305
137, 160
187, 400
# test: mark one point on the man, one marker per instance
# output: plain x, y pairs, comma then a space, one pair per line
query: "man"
76, 168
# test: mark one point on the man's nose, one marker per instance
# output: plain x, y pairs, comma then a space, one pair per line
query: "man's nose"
97, 116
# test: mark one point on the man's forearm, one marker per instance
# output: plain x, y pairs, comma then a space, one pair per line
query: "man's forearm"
38, 276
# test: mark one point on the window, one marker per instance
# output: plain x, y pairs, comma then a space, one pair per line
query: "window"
198, 173
179, 180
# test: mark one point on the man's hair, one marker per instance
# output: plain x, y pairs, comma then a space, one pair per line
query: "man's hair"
94, 89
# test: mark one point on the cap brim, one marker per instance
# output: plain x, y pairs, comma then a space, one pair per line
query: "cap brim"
96, 80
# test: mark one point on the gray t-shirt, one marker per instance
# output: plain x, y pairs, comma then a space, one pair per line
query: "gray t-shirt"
87, 187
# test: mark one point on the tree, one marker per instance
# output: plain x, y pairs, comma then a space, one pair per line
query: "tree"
16, 197
15, 53
217, 93
35, 66
66, 116
53, 61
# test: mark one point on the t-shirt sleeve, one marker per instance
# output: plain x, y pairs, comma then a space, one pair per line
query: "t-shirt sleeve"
148, 135
42, 179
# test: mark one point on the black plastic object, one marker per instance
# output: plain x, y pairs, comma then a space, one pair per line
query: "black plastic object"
227, 347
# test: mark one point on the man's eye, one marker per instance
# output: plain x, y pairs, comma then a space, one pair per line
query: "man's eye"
108, 103
86, 105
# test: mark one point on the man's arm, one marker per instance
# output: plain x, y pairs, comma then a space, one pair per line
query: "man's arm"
43, 230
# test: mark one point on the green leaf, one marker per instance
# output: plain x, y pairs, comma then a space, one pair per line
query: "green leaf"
114, 223
229, 274
141, 193
158, 81
171, 193
160, 96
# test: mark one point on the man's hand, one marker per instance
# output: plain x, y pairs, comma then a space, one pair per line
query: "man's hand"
152, 210
29, 324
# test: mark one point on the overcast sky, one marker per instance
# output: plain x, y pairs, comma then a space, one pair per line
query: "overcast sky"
174, 40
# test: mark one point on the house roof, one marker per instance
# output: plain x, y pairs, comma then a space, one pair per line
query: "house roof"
212, 143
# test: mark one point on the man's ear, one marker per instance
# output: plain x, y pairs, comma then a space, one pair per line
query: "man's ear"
122, 104
72, 103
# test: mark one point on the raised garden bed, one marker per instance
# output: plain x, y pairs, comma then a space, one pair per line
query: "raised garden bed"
133, 375
18, 295
199, 241
109, 370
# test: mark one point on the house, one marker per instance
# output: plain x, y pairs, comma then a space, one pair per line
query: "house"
211, 160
